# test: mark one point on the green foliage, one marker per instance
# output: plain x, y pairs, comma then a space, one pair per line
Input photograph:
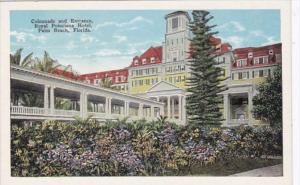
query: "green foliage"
46, 64
268, 102
32, 100
204, 84
16, 58
87, 148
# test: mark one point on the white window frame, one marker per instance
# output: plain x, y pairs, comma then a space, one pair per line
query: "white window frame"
144, 61
152, 60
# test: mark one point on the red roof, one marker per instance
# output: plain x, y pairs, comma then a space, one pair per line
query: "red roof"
66, 74
242, 53
145, 58
113, 74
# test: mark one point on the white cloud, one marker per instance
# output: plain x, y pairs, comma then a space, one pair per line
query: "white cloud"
132, 51
71, 45
120, 38
108, 52
235, 41
232, 26
23, 36
20, 36
87, 39
268, 39
124, 24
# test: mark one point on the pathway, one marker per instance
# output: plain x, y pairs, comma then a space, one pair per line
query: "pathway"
270, 171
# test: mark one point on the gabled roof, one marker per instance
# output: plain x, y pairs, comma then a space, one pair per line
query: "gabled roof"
155, 52
163, 86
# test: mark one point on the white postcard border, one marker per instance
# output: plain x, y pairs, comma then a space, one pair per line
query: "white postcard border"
284, 6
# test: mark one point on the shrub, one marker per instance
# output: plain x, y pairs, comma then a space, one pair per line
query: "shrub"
86, 148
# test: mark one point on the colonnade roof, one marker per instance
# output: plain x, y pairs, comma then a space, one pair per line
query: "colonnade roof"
53, 76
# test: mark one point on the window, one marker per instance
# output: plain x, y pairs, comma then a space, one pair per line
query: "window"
144, 61
252, 74
170, 79
261, 60
269, 72
240, 75
175, 23
241, 63
271, 52
261, 73
250, 55
223, 61
179, 79
232, 76
265, 73
244, 75
152, 60
136, 62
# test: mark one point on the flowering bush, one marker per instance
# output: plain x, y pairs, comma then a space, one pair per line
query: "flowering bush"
86, 148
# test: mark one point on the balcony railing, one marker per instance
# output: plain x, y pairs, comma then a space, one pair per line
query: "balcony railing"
20, 110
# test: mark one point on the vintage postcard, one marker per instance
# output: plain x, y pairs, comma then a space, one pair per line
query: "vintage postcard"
178, 92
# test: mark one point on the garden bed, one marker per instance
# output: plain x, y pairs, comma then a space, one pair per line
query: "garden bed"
87, 148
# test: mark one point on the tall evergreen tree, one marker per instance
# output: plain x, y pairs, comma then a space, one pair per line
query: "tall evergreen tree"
203, 86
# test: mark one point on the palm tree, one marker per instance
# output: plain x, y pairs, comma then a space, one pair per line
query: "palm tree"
47, 64
106, 83
16, 58
64, 104
31, 100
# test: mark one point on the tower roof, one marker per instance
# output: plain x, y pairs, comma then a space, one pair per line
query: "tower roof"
178, 13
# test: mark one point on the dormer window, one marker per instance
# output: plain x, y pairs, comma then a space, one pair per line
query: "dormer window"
241, 63
152, 59
271, 52
136, 62
144, 61
250, 55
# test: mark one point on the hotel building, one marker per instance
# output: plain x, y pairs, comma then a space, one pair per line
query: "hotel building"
160, 73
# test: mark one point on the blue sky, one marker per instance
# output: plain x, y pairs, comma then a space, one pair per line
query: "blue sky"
117, 36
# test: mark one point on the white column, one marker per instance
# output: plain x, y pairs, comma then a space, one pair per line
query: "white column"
126, 108
184, 109
85, 102
169, 107
152, 111
173, 108
250, 106
52, 100
226, 109
109, 106
179, 107
46, 97
81, 104
106, 105
141, 110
